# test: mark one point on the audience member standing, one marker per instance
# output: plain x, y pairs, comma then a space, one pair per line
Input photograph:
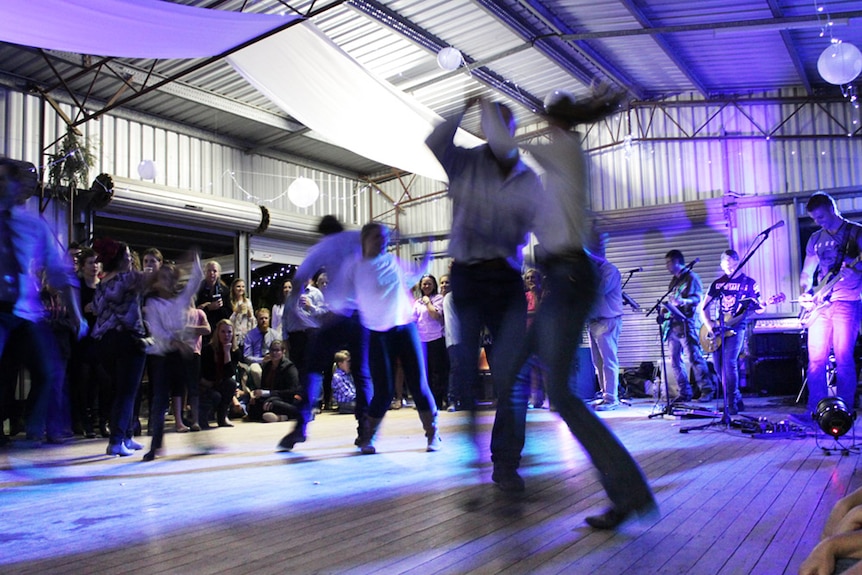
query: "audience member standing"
277, 315
242, 312
428, 315
213, 296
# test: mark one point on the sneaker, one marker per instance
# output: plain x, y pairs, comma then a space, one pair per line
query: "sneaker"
132, 445
269, 417
608, 406
706, 396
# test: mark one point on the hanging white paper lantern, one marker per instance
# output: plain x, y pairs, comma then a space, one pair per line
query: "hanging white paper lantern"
449, 58
303, 192
148, 170
840, 63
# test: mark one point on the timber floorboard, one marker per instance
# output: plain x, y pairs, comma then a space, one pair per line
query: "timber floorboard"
728, 503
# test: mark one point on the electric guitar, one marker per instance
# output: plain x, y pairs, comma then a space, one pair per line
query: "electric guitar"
821, 294
710, 344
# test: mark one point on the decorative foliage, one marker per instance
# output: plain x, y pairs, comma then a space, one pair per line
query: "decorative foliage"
70, 164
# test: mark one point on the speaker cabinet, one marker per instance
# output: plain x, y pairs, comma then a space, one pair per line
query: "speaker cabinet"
775, 363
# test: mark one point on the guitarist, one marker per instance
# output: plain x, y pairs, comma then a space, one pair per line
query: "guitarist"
686, 291
836, 314
737, 295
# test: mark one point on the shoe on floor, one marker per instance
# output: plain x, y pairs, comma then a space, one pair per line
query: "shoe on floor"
508, 480
608, 406
706, 397
132, 445
288, 442
118, 449
270, 417
613, 517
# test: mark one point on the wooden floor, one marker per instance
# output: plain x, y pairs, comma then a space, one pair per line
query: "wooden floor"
729, 503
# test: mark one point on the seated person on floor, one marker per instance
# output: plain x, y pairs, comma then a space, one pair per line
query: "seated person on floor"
280, 393
343, 389
840, 547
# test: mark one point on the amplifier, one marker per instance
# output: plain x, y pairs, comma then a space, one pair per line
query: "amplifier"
775, 362
777, 325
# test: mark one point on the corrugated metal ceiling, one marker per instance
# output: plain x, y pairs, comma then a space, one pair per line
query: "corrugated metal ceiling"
516, 50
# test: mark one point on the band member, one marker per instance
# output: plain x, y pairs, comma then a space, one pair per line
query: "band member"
605, 325
686, 291
831, 311
736, 298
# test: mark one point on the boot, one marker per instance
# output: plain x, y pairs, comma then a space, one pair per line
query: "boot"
370, 428
429, 423
288, 442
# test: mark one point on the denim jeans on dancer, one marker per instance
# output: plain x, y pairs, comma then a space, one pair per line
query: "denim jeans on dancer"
834, 329
494, 298
124, 358
571, 286
338, 332
31, 345
384, 349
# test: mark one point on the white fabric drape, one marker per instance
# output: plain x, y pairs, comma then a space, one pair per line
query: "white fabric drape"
309, 77
130, 28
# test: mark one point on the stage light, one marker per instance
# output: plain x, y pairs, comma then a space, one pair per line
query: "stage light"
833, 416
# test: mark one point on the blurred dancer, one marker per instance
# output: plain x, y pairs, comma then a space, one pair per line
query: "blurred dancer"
27, 245
571, 280
340, 326
493, 205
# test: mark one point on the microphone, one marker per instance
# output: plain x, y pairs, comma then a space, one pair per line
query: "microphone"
773, 227
691, 264
640, 269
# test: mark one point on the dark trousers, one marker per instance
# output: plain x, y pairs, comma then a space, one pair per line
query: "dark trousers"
123, 358
336, 333
384, 349
30, 345
170, 372
493, 296
571, 288
437, 368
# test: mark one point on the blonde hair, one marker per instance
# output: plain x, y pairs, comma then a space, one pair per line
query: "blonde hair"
340, 356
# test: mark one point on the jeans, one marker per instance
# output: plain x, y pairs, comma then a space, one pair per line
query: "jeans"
492, 295
682, 337
337, 332
384, 349
33, 346
726, 360
835, 329
123, 357
571, 288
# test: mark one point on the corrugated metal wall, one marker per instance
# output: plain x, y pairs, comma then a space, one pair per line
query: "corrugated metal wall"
184, 162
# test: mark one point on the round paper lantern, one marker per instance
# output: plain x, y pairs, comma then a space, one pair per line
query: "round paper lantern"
840, 63
148, 170
449, 58
303, 192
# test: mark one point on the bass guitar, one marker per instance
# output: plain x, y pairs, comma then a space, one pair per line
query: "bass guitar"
710, 344
821, 294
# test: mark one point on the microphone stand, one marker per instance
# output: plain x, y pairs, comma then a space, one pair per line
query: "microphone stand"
726, 421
